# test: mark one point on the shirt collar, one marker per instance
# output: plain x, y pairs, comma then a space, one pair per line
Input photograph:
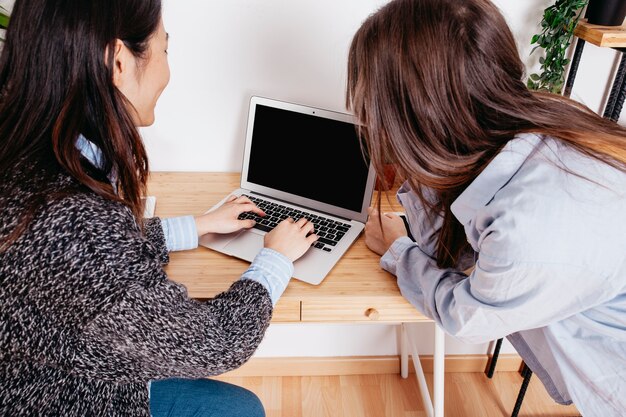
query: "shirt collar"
495, 176
90, 151
94, 155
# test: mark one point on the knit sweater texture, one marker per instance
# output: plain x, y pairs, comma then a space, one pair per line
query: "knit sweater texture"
88, 315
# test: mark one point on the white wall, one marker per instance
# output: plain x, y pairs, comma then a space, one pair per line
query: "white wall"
221, 52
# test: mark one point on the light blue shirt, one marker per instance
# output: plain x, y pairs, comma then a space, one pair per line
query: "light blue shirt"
550, 271
270, 268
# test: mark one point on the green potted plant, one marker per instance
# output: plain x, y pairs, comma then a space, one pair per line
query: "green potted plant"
558, 24
4, 19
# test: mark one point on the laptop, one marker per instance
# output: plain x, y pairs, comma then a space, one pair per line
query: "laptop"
301, 161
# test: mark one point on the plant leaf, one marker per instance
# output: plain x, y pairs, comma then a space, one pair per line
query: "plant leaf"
4, 18
558, 24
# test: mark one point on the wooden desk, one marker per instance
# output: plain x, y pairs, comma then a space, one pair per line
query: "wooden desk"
356, 290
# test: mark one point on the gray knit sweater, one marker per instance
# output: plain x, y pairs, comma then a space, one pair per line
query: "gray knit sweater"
88, 316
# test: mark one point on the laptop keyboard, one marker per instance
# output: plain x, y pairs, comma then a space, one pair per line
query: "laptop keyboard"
329, 231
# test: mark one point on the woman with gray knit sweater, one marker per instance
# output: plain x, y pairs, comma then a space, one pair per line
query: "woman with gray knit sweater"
89, 322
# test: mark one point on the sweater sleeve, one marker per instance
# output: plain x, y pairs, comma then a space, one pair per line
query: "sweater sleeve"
153, 231
150, 328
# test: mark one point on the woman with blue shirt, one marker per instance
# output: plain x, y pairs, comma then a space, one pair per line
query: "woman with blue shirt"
516, 199
90, 324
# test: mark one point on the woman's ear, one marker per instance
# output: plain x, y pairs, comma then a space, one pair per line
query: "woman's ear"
123, 62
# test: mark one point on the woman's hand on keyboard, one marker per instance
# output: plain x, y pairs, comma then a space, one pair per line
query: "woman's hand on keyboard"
224, 218
290, 238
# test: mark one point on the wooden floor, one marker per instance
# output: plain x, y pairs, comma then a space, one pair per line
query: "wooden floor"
466, 395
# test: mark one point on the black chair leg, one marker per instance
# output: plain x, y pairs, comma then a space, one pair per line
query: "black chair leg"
526, 373
525, 369
494, 358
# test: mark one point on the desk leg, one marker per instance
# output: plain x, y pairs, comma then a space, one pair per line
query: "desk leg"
439, 371
419, 373
404, 352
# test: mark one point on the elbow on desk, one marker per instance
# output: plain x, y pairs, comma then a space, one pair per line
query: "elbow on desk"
473, 330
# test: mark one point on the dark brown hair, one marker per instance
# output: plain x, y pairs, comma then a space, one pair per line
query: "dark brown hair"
438, 88
56, 82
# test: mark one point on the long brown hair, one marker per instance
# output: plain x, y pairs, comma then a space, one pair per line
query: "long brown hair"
438, 88
56, 82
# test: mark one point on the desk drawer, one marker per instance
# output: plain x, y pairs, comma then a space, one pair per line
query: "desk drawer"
359, 311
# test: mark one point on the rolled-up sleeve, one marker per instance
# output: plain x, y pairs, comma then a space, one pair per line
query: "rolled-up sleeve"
271, 269
180, 233
499, 297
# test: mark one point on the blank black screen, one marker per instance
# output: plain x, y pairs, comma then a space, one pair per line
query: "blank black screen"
309, 156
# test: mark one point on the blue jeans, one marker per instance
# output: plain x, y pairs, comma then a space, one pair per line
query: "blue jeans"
202, 398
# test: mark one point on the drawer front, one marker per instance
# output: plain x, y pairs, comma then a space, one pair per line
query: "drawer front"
360, 311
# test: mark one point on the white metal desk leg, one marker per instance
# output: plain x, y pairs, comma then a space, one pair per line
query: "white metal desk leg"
439, 371
404, 352
419, 374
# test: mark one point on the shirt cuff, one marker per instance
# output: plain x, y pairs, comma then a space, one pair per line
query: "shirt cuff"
271, 269
390, 258
180, 233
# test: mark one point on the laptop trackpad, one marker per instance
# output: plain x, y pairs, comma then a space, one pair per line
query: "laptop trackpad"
246, 246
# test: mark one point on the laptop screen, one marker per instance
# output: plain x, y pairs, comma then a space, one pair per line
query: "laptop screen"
306, 155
